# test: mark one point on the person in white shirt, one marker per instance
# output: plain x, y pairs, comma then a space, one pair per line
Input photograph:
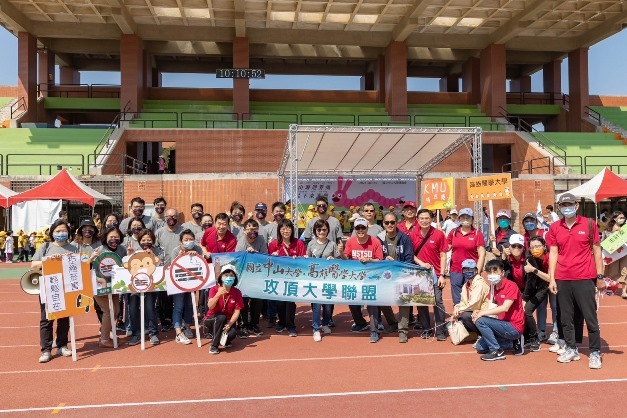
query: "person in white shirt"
551, 216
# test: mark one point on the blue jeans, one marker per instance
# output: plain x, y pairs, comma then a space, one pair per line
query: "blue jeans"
150, 313
496, 334
327, 313
457, 283
541, 313
182, 309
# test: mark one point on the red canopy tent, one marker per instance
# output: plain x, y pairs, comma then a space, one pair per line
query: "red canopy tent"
63, 186
604, 185
5, 193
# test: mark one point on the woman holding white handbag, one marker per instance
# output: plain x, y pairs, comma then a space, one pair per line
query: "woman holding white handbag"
474, 296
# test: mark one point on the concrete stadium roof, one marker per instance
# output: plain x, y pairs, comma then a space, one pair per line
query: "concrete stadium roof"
323, 36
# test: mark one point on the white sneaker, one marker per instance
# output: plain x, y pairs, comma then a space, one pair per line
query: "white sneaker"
595, 360
182, 339
570, 354
552, 338
560, 345
326, 329
45, 357
317, 337
64, 351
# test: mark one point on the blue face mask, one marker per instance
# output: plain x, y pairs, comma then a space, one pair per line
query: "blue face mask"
228, 281
569, 211
60, 236
468, 275
188, 245
529, 226
504, 223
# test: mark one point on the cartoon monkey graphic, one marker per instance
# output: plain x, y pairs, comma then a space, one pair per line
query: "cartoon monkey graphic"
142, 265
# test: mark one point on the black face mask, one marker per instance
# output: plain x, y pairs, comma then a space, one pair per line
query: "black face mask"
88, 233
159, 209
146, 245
111, 224
113, 243
238, 217
261, 215
206, 225
138, 212
137, 229
197, 215
322, 210
278, 217
171, 221
252, 234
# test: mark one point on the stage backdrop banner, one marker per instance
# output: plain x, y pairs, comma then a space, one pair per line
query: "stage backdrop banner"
314, 280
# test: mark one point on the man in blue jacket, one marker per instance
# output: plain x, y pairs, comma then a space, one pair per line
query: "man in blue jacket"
396, 247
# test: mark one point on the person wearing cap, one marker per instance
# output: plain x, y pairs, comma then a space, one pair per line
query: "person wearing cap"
195, 224
573, 271
366, 249
335, 229
409, 221
265, 227
464, 242
513, 257
430, 248
369, 215
86, 239
333, 213
474, 296
536, 291
503, 232
380, 216
530, 225
451, 223
308, 216
225, 304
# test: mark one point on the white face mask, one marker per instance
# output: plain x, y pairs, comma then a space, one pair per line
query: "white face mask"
494, 278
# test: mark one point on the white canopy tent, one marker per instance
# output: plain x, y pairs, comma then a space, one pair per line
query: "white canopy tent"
371, 151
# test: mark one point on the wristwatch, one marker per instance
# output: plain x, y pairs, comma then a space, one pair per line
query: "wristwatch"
535, 271
600, 277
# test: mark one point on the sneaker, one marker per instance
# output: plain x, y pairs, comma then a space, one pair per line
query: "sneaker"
154, 340
402, 338
271, 323
316, 336
188, 332
426, 334
135, 340
541, 336
214, 350
535, 345
417, 327
181, 338
255, 330
209, 335
326, 329
380, 327
569, 354
374, 337
390, 329
292, 332
228, 345
357, 328
493, 355
595, 360
280, 328
64, 351
105, 344
476, 342
519, 346
558, 347
120, 327
553, 338
45, 357
441, 337
243, 333
331, 323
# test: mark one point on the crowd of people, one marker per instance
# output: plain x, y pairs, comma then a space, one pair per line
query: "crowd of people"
497, 282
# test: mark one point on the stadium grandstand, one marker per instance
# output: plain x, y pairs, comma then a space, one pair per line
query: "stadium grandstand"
483, 52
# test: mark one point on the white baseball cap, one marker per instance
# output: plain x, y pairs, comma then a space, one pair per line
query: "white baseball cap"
361, 222
517, 239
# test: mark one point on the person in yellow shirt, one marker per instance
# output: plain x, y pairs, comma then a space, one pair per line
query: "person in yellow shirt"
333, 213
3, 241
39, 240
380, 216
22, 246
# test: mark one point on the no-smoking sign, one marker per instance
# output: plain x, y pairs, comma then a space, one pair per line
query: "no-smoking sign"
188, 273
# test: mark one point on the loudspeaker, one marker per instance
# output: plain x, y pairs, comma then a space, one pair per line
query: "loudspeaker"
30, 282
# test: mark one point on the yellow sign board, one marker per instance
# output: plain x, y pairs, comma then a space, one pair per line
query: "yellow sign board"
66, 286
495, 187
437, 193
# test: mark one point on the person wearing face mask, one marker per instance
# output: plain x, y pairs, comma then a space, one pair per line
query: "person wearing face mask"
252, 242
110, 241
136, 211
206, 222
225, 303
530, 225
335, 231
514, 260
536, 289
158, 219
265, 228
183, 309
195, 224
278, 214
237, 213
464, 242
131, 242
59, 231
111, 220
506, 330
614, 270
86, 240
474, 297
503, 232
618, 216
575, 269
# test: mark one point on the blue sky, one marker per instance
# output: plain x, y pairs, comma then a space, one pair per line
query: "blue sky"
607, 73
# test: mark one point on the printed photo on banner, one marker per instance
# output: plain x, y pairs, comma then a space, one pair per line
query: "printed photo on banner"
66, 286
437, 193
493, 187
102, 270
188, 273
348, 282
139, 272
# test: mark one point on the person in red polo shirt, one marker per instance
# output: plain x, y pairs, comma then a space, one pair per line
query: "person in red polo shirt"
218, 239
430, 248
464, 243
225, 303
574, 263
503, 231
406, 226
505, 331
514, 259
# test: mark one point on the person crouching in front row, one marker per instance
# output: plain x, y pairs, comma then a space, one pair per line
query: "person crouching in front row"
474, 296
225, 303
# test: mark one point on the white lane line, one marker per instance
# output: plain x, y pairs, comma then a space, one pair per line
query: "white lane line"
313, 395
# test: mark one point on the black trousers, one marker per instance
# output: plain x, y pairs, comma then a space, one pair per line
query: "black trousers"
165, 305
536, 297
249, 316
287, 314
45, 331
578, 320
466, 318
217, 323
573, 294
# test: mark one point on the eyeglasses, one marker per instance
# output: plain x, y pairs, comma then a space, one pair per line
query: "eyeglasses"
389, 222
360, 228
322, 230
322, 206
518, 246
171, 217
368, 210
197, 211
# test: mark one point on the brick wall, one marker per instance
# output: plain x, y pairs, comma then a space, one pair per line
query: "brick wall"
8, 91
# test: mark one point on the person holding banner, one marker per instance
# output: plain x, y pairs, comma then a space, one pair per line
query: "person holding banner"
464, 242
286, 245
365, 249
60, 232
225, 304
110, 242
322, 247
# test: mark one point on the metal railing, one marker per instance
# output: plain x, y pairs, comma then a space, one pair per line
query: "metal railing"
445, 121
383, 119
342, 119
536, 98
200, 120
58, 165
489, 123
88, 91
268, 120
528, 166
104, 141
608, 161
594, 115
15, 107
127, 164
167, 119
